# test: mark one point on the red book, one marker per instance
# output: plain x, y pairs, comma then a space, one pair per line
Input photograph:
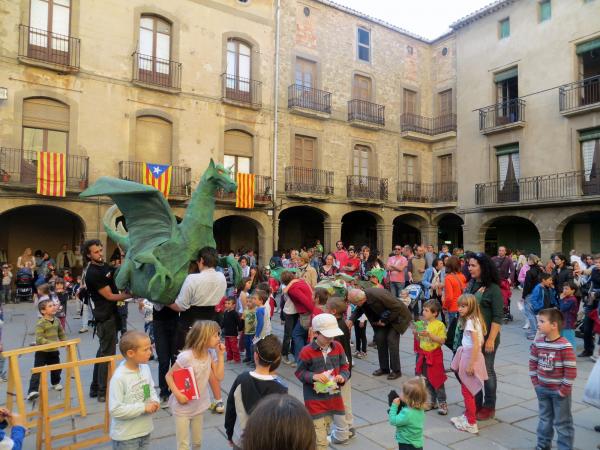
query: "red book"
186, 382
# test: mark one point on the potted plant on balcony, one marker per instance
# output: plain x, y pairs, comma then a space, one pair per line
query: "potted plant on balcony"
4, 176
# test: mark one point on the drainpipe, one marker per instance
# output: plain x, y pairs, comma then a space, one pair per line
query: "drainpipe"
276, 121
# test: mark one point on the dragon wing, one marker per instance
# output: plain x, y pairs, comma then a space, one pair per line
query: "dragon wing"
148, 217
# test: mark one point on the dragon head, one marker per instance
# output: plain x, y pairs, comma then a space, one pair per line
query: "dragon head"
218, 175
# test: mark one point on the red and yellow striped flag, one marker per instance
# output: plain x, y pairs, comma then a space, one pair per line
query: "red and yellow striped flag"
244, 196
52, 174
159, 176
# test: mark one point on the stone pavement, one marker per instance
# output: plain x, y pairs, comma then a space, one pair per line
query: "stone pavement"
513, 428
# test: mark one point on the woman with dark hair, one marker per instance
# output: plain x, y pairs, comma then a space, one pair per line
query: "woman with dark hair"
279, 422
485, 285
562, 273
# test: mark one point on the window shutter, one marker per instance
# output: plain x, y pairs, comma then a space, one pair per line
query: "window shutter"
507, 149
153, 138
238, 143
587, 46
45, 113
589, 135
507, 74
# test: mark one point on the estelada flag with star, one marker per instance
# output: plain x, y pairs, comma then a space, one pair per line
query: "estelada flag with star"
159, 176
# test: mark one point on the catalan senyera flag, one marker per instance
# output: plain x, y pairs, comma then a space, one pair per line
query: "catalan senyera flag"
244, 196
159, 176
52, 174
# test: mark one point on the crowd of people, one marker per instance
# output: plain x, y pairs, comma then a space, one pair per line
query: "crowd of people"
456, 299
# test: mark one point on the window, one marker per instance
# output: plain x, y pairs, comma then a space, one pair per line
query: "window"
410, 102
49, 16
153, 140
364, 44
45, 125
507, 91
545, 10
445, 169
238, 151
504, 28
360, 160
509, 172
590, 157
239, 62
154, 49
410, 168
588, 54
445, 102
306, 73
304, 151
361, 88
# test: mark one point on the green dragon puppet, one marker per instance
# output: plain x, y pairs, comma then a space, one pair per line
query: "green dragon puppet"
158, 249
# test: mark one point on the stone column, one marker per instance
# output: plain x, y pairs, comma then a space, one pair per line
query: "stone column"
429, 235
549, 246
265, 247
384, 239
332, 232
471, 239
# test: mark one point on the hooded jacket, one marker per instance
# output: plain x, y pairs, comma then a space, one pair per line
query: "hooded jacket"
247, 390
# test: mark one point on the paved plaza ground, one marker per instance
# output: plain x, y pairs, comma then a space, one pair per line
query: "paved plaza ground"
513, 428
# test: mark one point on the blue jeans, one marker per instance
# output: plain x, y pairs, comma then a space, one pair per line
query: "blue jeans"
140, 443
569, 335
450, 316
396, 287
489, 386
554, 411
299, 337
530, 316
248, 338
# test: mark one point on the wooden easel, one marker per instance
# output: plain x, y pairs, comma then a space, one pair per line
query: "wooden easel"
44, 436
14, 390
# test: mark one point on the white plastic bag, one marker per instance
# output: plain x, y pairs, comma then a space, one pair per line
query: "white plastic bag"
591, 393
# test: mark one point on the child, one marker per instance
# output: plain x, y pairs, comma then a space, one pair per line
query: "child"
249, 317
43, 293
317, 371
199, 353
270, 303
7, 277
569, 308
132, 398
147, 309
405, 297
47, 330
17, 434
541, 297
3, 376
468, 361
249, 388
263, 320
342, 428
61, 296
320, 298
409, 420
231, 326
430, 362
552, 368
242, 301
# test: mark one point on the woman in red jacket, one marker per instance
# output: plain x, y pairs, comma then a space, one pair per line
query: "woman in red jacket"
454, 284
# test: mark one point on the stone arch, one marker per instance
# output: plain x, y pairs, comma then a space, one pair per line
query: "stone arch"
515, 231
237, 232
580, 231
359, 227
408, 228
449, 230
301, 225
22, 227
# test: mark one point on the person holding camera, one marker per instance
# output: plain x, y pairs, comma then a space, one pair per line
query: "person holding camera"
590, 306
17, 433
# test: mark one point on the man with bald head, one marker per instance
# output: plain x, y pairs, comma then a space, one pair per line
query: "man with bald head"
389, 318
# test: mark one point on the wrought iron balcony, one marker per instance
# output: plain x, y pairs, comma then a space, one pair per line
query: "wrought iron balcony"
158, 72
242, 91
19, 168
364, 113
302, 180
365, 187
427, 192
579, 97
181, 177
502, 116
263, 190
566, 186
428, 125
306, 98
45, 47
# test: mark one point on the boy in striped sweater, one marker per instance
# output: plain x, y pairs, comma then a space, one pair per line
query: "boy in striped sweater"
322, 368
552, 368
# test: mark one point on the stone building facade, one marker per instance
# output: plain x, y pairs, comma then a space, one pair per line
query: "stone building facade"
528, 162
366, 140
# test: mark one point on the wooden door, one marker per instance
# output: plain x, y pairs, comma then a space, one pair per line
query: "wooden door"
445, 169
304, 152
49, 22
361, 88
410, 102
445, 106
306, 78
154, 51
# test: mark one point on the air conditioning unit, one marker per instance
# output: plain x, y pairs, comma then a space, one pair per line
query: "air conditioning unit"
3, 93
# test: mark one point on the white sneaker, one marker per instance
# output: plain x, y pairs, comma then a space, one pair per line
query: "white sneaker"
473, 429
57, 387
526, 326
83, 330
458, 420
594, 358
33, 395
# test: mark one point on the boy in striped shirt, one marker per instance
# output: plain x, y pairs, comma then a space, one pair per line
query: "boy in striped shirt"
552, 370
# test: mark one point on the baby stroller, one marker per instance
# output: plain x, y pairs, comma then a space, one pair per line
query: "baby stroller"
416, 294
24, 284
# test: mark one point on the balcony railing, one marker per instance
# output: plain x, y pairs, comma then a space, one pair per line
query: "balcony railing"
308, 181
580, 94
48, 47
308, 98
555, 187
427, 192
181, 177
428, 125
501, 114
19, 168
365, 187
156, 71
241, 90
364, 111
263, 190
